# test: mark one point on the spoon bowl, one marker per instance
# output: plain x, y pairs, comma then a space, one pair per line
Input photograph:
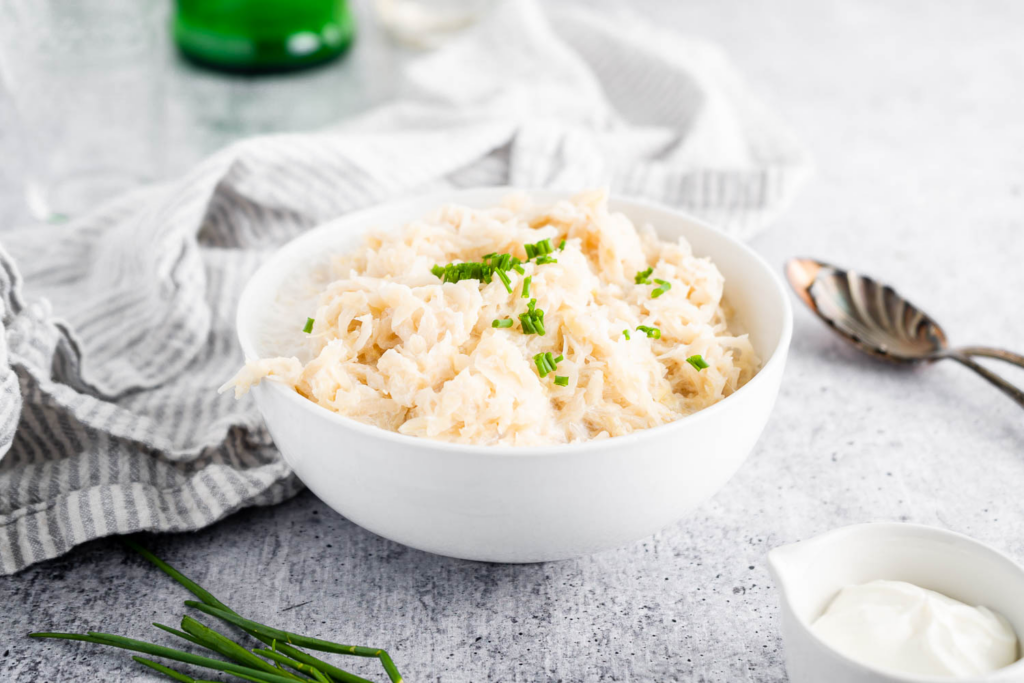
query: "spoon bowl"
871, 315
876, 319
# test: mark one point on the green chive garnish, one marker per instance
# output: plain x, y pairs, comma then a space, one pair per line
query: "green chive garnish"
504, 279
526, 320
561, 247
438, 271
541, 260
665, 286
626, 334
309, 326
526, 286
501, 322
542, 365
651, 332
697, 362
559, 358
531, 251
642, 278
561, 380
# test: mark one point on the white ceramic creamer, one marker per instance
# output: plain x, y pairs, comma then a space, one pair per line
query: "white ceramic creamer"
809, 574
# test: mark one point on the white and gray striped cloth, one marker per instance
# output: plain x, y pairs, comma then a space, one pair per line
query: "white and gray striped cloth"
118, 326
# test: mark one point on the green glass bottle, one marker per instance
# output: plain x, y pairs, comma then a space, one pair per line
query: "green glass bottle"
261, 36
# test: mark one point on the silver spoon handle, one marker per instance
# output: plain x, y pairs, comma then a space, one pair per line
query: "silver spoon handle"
989, 352
1007, 388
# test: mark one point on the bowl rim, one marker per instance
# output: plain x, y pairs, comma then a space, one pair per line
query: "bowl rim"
279, 256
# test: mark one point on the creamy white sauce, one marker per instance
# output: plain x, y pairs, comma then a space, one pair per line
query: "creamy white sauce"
903, 628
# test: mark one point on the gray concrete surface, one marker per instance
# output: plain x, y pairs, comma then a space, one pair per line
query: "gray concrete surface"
914, 111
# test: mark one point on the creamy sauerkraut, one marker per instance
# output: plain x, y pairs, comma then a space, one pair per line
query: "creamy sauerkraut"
394, 346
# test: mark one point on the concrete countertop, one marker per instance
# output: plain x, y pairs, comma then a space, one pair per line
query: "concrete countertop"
914, 113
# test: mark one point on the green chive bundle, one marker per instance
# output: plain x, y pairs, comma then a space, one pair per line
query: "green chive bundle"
492, 264
541, 248
697, 361
533, 320
546, 363
240, 662
662, 288
651, 332
643, 277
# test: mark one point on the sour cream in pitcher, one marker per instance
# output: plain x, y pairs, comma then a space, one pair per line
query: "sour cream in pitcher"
903, 628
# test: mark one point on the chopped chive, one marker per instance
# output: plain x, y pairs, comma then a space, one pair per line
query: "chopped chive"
526, 286
549, 358
664, 287
626, 334
642, 278
438, 271
651, 332
501, 322
559, 358
518, 268
544, 258
504, 280
309, 326
538, 324
561, 380
527, 322
530, 304
542, 366
561, 247
531, 251
545, 244
697, 362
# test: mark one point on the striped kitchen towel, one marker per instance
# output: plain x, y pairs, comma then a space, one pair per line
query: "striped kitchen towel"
117, 328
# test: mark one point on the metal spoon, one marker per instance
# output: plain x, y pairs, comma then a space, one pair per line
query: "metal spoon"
877, 320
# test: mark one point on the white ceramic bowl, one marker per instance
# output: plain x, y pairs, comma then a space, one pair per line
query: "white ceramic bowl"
810, 573
505, 504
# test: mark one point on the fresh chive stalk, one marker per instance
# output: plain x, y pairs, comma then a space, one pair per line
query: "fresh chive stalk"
221, 644
165, 670
502, 322
167, 653
287, 661
526, 286
287, 636
561, 380
180, 634
309, 326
